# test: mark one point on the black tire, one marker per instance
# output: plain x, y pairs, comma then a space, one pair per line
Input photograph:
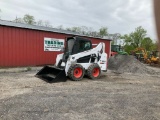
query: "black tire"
91, 71
72, 72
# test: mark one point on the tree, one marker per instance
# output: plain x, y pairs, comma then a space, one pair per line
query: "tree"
60, 27
114, 37
43, 23
128, 48
94, 34
103, 31
89, 31
68, 29
40, 23
147, 43
138, 36
84, 30
19, 20
47, 24
29, 19
76, 29
135, 38
154, 46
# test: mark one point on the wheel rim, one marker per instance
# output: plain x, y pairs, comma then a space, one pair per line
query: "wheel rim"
95, 72
78, 72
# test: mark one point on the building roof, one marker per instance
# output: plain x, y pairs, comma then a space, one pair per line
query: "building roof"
42, 28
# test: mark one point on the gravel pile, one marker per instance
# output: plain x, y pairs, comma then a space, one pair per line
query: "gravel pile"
127, 63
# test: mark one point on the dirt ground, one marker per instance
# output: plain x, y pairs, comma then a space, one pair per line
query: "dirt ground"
112, 97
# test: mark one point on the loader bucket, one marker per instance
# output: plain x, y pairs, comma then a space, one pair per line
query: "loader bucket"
52, 74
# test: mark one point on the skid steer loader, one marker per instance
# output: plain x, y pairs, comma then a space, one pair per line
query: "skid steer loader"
78, 59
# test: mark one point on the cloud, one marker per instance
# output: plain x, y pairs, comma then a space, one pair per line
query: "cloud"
120, 16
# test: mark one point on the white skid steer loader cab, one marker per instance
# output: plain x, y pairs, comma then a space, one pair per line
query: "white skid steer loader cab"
78, 59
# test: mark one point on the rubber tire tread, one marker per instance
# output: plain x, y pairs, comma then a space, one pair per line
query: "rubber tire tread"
90, 69
71, 72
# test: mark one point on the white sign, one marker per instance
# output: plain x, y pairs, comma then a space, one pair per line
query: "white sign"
53, 44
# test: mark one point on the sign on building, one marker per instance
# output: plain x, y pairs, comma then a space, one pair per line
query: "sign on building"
53, 44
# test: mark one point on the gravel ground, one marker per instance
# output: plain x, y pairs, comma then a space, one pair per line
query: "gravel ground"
114, 96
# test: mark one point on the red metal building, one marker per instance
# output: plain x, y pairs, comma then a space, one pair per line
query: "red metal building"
23, 45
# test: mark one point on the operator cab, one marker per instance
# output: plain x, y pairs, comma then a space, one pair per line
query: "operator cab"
76, 45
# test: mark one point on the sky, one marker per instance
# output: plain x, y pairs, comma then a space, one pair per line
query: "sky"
119, 16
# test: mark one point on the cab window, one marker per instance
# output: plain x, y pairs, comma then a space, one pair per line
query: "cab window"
84, 45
